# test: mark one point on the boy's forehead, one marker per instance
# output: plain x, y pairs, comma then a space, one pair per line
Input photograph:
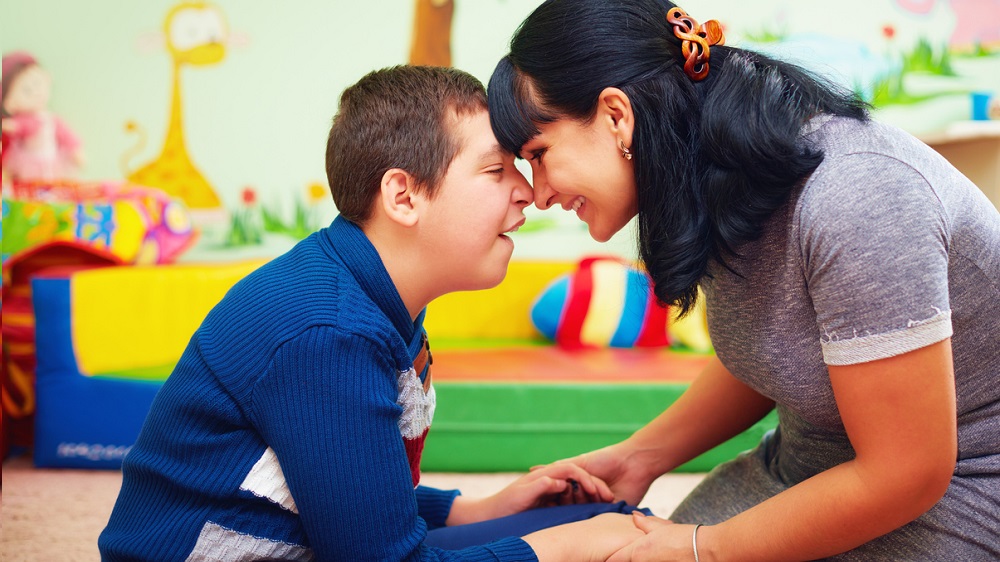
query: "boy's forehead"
476, 137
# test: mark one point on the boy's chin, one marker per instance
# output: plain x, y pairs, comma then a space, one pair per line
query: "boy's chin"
488, 278
494, 281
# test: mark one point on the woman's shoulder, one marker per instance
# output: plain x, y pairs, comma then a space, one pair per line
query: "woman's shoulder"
868, 165
863, 162
865, 187
840, 136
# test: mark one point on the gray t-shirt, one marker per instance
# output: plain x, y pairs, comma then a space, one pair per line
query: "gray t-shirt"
885, 249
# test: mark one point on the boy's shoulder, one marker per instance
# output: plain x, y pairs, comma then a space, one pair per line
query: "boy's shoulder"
302, 289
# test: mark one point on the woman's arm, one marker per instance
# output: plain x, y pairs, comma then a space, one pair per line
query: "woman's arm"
900, 415
715, 408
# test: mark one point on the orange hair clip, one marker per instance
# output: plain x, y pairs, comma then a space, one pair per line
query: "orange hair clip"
695, 41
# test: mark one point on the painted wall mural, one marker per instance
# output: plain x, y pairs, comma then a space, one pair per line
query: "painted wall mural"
241, 140
977, 22
432, 33
195, 33
915, 52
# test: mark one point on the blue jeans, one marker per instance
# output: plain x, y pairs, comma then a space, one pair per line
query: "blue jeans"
520, 524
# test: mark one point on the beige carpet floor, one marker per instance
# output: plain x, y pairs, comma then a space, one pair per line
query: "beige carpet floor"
56, 515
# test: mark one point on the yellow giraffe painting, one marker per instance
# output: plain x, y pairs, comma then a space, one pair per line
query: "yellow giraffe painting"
195, 33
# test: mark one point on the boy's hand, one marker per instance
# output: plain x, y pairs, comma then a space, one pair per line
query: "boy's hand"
555, 484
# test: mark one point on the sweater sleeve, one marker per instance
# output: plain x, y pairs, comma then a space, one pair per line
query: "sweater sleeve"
434, 505
327, 407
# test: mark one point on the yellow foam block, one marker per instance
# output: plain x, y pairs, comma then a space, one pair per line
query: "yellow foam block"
692, 330
501, 312
134, 317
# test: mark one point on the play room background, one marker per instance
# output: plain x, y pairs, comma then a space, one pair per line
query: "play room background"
186, 147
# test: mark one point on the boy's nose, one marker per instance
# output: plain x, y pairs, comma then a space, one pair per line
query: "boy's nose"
522, 194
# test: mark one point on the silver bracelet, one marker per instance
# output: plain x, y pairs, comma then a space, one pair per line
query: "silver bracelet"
694, 542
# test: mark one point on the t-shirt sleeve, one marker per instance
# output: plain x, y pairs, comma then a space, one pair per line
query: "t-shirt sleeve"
874, 240
327, 407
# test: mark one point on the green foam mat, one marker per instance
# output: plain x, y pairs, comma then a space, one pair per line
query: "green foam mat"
496, 427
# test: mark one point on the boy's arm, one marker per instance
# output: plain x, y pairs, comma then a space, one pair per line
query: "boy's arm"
328, 409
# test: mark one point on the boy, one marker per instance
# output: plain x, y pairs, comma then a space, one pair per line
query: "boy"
293, 424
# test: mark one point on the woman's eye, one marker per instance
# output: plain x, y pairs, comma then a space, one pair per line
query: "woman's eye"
537, 155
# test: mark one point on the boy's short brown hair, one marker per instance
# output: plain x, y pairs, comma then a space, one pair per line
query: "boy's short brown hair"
396, 117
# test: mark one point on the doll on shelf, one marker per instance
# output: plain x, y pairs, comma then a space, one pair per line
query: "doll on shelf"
38, 147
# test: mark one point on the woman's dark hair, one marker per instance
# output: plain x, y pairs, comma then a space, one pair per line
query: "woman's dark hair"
713, 159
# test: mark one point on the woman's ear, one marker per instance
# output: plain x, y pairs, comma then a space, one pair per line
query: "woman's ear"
398, 197
615, 109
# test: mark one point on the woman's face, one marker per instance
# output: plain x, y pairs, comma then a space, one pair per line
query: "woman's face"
580, 167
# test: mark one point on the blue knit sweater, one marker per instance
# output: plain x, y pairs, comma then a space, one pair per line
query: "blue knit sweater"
279, 435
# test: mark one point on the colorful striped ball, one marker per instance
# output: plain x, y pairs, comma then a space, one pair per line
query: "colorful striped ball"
605, 303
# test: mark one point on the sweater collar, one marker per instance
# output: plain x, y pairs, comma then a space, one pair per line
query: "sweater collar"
365, 264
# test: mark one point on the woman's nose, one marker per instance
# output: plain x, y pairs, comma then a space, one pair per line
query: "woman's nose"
545, 196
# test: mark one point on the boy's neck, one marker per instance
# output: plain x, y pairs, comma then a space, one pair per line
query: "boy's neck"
405, 266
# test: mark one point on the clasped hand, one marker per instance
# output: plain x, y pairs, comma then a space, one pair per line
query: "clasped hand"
555, 484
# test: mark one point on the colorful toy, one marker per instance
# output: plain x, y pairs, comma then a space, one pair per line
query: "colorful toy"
508, 399
604, 303
138, 225
18, 367
608, 303
37, 145
691, 332
107, 338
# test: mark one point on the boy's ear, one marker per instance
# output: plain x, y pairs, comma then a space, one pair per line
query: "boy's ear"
398, 197
615, 108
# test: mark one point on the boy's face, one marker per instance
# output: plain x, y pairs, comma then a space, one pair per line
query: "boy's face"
481, 198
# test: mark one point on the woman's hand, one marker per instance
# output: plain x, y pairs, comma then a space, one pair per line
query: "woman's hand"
662, 541
615, 465
592, 540
555, 484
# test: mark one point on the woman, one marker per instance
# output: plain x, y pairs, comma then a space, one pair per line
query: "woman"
852, 279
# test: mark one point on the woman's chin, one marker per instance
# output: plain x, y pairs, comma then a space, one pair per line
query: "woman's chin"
600, 233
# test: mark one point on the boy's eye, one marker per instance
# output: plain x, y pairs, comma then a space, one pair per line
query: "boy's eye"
495, 170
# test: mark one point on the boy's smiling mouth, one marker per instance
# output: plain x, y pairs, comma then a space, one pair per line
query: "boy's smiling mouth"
514, 228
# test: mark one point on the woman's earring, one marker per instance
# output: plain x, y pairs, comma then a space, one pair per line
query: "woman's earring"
626, 153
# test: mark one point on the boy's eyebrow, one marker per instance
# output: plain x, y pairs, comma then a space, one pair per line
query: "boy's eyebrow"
495, 151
